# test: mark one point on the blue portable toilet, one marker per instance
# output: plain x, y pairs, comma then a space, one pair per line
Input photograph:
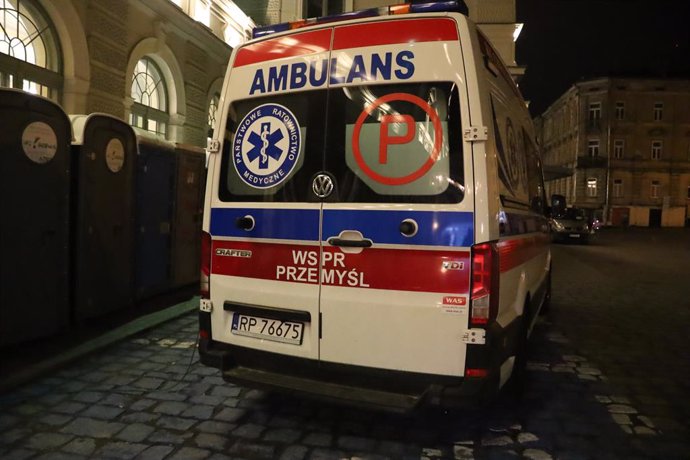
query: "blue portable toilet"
190, 183
35, 136
104, 153
155, 196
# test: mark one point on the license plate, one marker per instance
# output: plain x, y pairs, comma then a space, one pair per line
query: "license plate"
574, 235
268, 329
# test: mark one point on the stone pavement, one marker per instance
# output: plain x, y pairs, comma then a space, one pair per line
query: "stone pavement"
148, 397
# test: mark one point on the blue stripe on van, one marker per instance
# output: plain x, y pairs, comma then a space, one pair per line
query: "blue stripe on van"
284, 224
446, 228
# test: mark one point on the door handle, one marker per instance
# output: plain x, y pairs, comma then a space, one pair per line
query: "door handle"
349, 243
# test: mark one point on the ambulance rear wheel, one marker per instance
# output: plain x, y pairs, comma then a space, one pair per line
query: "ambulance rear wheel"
515, 387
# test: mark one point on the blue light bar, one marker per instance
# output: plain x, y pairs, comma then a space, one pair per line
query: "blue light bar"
428, 7
440, 7
268, 30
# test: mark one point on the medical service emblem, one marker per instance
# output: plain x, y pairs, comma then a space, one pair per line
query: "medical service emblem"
266, 146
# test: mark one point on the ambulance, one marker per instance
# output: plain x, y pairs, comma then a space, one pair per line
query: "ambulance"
374, 229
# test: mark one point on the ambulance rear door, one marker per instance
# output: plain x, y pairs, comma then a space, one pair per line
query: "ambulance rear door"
397, 216
265, 221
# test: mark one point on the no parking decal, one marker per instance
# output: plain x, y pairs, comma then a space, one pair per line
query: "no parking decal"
402, 168
266, 147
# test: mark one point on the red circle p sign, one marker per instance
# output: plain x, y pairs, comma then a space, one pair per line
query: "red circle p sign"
386, 140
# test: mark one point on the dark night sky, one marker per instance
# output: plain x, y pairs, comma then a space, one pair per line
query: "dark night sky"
564, 41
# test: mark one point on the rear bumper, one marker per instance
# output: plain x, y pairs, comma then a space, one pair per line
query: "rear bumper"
359, 386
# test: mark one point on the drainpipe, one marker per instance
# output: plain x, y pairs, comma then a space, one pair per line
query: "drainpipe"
608, 154
577, 139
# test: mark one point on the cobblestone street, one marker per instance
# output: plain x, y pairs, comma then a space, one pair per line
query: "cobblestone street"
608, 378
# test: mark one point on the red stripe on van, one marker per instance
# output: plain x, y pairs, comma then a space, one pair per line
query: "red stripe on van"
299, 44
390, 269
392, 32
513, 253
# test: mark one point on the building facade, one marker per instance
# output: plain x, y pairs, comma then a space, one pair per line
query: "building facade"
157, 64
620, 147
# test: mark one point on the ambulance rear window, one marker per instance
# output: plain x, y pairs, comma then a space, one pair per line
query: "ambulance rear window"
400, 143
396, 143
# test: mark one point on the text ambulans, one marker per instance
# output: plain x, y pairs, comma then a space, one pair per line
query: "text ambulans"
316, 74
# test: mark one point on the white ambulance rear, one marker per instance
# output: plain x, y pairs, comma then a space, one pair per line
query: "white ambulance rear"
374, 224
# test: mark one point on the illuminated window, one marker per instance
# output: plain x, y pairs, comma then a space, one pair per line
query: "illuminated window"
593, 147
620, 110
658, 111
212, 113
618, 188
29, 41
149, 110
591, 187
654, 192
619, 148
657, 149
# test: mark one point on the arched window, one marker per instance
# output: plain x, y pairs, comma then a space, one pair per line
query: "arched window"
150, 108
212, 112
29, 49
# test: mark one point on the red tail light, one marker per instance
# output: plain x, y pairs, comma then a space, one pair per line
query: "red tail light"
205, 288
485, 277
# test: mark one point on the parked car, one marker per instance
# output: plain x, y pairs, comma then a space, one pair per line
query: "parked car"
571, 224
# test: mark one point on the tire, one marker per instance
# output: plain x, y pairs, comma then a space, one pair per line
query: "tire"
515, 386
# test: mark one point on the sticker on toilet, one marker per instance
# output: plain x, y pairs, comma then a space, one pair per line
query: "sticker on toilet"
39, 142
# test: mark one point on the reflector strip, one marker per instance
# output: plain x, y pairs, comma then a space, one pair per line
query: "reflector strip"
299, 44
393, 32
390, 269
440, 228
513, 253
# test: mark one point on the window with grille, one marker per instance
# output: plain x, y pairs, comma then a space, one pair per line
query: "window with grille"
149, 111
30, 57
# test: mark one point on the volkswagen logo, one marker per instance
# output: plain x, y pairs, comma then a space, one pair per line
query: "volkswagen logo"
322, 185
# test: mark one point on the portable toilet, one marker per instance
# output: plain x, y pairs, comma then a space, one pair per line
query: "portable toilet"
190, 180
35, 136
155, 200
104, 152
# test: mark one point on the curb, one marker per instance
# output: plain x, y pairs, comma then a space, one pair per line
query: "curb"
126, 330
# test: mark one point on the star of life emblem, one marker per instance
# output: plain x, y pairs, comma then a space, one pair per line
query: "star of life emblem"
266, 146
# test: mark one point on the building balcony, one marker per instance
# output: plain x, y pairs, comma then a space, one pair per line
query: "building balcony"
553, 172
591, 162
